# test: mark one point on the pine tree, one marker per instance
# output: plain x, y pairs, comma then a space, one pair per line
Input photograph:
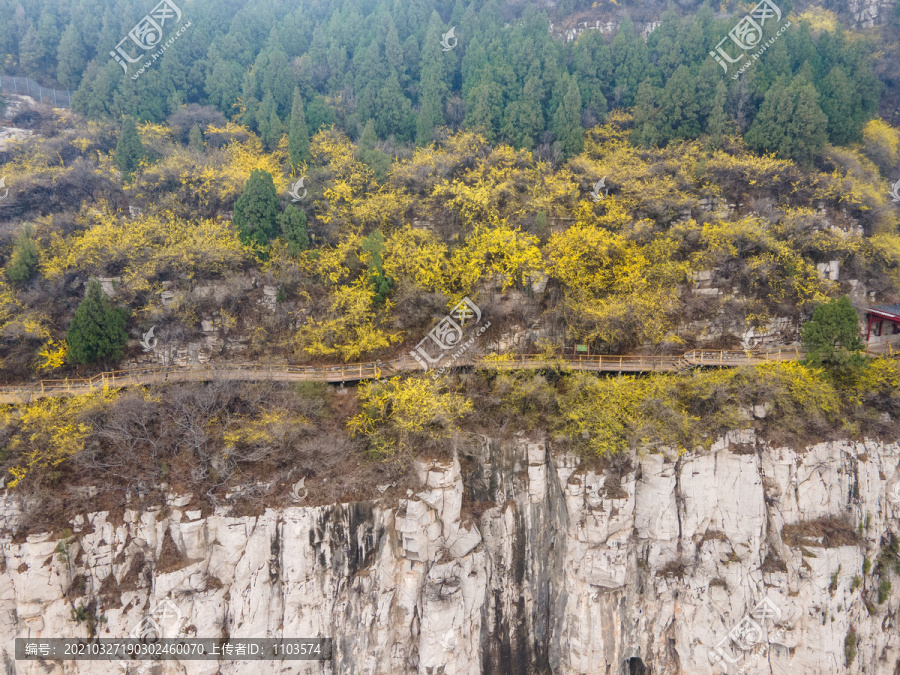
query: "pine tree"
319, 114
840, 106
432, 83
790, 122
646, 116
567, 121
129, 150
97, 333
298, 134
717, 121
71, 58
195, 138
631, 61
292, 224
23, 261
269, 125
48, 36
256, 210
531, 116
808, 125
378, 161
31, 52
831, 337
679, 107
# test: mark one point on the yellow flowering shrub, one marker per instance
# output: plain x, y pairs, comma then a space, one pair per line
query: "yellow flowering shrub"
351, 327
495, 252
398, 412
47, 432
53, 354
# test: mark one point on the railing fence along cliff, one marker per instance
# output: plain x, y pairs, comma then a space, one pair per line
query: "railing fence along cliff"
369, 371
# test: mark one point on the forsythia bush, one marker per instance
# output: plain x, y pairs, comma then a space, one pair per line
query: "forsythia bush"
398, 412
47, 432
607, 415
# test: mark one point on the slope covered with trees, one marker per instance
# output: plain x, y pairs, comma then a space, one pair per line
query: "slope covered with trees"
276, 66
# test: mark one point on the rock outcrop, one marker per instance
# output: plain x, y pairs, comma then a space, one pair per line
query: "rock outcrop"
746, 558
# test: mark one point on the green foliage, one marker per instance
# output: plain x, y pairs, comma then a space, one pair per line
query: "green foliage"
71, 61
97, 333
373, 248
832, 586
850, 647
256, 210
292, 224
378, 161
855, 583
298, 133
884, 591
831, 337
790, 122
129, 150
268, 122
195, 138
24, 259
867, 566
567, 121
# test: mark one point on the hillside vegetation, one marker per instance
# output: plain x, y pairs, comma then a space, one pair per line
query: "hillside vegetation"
613, 192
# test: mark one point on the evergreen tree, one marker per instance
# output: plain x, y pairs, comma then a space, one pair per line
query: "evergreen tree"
249, 117
567, 121
31, 53
631, 64
273, 73
484, 107
790, 122
23, 261
378, 161
808, 125
664, 41
382, 284
831, 337
97, 333
256, 210
292, 224
48, 36
717, 121
223, 84
432, 84
195, 138
129, 150
71, 58
269, 125
593, 68
319, 114
840, 106
679, 108
392, 109
298, 133
531, 118
646, 115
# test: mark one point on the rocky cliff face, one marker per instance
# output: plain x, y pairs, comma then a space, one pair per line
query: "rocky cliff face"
520, 561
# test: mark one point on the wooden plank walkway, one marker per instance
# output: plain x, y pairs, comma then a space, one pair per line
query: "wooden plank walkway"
368, 371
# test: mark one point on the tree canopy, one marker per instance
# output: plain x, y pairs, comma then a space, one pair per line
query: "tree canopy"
97, 333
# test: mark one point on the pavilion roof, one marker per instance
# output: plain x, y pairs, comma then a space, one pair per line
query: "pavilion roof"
886, 310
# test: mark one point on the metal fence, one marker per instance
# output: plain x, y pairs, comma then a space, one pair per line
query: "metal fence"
24, 86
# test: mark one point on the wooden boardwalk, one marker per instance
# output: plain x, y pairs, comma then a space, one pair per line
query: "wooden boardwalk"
374, 370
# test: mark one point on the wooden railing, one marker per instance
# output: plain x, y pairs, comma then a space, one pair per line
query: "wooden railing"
156, 375
606, 362
367, 371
